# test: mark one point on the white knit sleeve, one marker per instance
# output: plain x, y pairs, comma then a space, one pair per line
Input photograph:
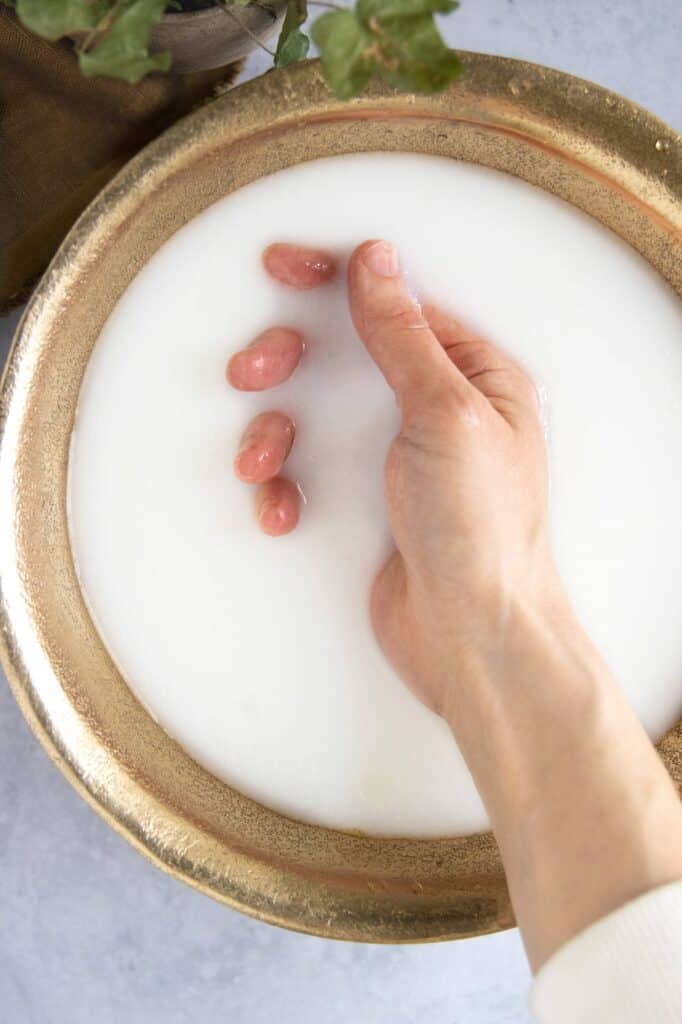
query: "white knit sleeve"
624, 969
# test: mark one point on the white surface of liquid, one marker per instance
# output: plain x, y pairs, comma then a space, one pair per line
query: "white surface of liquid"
256, 654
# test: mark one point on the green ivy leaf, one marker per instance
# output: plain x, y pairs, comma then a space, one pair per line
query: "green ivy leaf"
387, 10
53, 19
292, 44
414, 56
396, 40
345, 52
124, 51
295, 47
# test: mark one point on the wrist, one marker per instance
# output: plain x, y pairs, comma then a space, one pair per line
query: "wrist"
518, 633
583, 811
532, 668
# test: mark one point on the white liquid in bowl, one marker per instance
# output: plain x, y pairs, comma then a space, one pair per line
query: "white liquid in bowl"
255, 653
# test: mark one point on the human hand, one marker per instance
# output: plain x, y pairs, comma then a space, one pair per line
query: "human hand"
471, 612
469, 607
466, 478
466, 484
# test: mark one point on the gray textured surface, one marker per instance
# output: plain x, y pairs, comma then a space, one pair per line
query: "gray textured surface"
89, 931
631, 46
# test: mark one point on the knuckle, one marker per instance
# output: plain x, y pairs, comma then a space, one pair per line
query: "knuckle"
474, 357
524, 387
517, 390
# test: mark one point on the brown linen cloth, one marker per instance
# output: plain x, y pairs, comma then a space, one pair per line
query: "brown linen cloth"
62, 136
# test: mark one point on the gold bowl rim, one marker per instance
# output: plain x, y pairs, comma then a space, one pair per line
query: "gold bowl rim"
591, 147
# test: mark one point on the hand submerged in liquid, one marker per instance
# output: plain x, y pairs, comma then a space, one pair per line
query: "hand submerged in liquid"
470, 609
466, 477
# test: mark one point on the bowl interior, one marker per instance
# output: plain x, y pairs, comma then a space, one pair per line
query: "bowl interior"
592, 148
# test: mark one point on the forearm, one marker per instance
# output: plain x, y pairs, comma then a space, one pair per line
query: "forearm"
584, 812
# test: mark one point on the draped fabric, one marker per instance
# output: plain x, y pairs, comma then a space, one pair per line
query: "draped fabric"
62, 136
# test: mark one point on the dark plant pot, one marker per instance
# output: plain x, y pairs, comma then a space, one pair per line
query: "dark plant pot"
69, 134
211, 37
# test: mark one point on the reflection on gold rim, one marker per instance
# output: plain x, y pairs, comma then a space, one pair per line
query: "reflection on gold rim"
592, 148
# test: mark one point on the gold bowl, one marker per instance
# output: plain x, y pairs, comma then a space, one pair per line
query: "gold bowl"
594, 149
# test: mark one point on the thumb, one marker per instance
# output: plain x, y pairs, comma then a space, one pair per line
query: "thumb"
392, 326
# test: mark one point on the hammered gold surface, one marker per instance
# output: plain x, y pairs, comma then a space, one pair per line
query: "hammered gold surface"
591, 147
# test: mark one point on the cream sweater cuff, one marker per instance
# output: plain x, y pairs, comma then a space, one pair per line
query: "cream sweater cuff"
625, 968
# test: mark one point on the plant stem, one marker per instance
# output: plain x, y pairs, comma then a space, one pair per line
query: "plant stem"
245, 28
327, 3
264, 6
102, 25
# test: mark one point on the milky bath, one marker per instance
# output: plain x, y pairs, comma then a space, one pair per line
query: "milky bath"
255, 653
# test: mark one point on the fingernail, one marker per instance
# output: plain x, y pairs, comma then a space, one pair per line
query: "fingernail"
382, 259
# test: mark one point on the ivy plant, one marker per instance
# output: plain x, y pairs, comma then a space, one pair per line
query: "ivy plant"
395, 40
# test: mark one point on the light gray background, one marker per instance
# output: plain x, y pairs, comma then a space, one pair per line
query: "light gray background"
90, 932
